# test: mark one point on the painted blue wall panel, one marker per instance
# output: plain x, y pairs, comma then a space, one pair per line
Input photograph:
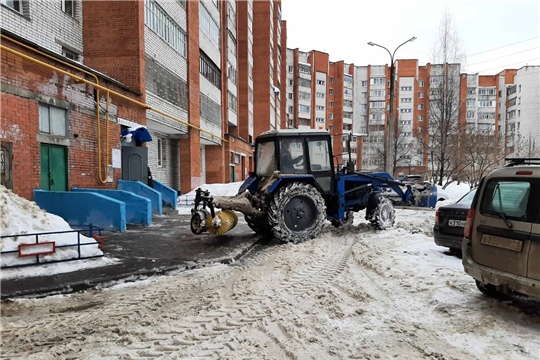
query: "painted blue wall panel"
141, 189
82, 208
168, 195
138, 208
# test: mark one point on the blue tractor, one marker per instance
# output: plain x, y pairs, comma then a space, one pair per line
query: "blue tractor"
296, 188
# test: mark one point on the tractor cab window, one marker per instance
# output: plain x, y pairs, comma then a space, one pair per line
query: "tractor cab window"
266, 159
319, 156
292, 156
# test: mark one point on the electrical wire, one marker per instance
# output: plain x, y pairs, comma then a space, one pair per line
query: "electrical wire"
504, 66
500, 57
500, 47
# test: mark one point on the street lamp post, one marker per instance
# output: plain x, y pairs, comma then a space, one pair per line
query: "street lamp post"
388, 144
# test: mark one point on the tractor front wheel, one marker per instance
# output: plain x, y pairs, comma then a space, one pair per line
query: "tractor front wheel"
297, 213
383, 215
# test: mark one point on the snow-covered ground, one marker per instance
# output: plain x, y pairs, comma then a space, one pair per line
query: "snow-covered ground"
352, 293
20, 216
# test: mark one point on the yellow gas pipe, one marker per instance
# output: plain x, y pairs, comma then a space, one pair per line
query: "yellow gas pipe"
98, 87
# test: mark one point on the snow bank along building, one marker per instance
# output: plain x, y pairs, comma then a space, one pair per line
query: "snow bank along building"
204, 78
346, 98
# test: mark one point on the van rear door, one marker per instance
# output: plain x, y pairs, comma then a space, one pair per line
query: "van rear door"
501, 237
534, 253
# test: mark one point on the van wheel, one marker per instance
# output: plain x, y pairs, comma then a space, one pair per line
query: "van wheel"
488, 289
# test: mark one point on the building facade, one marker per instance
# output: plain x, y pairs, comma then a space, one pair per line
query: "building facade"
202, 94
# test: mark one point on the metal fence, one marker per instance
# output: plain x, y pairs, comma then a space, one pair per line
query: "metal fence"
186, 200
90, 230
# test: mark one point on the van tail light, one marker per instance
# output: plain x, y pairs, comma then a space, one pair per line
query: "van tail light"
437, 218
469, 224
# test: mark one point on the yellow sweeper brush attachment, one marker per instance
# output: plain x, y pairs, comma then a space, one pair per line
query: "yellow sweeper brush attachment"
228, 219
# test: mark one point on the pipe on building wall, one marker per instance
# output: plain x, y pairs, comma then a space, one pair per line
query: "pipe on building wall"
108, 91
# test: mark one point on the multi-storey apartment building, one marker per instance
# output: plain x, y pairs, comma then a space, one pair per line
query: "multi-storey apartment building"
203, 95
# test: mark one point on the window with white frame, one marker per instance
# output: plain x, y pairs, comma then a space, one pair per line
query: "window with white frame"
487, 91
376, 104
347, 103
290, 95
304, 82
486, 116
420, 106
405, 111
16, 5
471, 91
304, 68
364, 83
250, 94
377, 81
376, 93
304, 109
364, 95
291, 109
331, 79
331, 117
233, 102
320, 82
363, 106
52, 120
331, 91
421, 94
320, 120
232, 73
69, 54
291, 82
471, 102
347, 91
331, 104
208, 26
304, 95
378, 116
162, 24
347, 78
320, 95
406, 100
470, 115
486, 103
319, 107
159, 152
68, 6
406, 88
420, 117
363, 118
421, 83
291, 69
436, 79
231, 42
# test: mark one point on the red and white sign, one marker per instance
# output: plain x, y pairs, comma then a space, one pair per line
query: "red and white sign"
44, 248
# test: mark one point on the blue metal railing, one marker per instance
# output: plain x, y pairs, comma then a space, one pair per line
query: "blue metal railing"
88, 229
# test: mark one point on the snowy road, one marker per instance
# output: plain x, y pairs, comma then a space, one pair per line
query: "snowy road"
352, 293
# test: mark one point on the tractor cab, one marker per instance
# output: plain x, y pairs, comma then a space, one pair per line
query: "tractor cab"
295, 153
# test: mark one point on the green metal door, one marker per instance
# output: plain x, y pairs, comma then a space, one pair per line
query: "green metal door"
54, 168
232, 173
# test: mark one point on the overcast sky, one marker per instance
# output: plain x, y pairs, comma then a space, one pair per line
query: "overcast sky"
342, 28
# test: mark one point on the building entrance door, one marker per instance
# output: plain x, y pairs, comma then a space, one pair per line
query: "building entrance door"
54, 168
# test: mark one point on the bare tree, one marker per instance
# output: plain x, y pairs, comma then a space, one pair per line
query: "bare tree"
443, 142
479, 153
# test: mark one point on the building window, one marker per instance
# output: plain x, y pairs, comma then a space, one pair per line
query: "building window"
52, 120
208, 25
471, 102
291, 82
421, 95
69, 54
377, 81
363, 106
159, 152
421, 83
231, 42
304, 68
209, 70
519, 113
319, 120
486, 103
331, 79
331, 104
364, 95
233, 102
291, 110
231, 12
420, 106
290, 95
331, 91
485, 91
232, 73
304, 95
319, 107
68, 6
420, 117
364, 83
16, 5
331, 117
347, 78
291, 69
305, 109
470, 114
406, 100
304, 83
157, 19
320, 95
436, 79
405, 110
376, 104
376, 93
406, 88
320, 82
347, 103
210, 110
166, 84
182, 3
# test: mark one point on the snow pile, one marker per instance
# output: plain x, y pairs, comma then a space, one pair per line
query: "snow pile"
185, 202
20, 216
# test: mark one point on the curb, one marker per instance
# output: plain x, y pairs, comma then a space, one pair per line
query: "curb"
74, 287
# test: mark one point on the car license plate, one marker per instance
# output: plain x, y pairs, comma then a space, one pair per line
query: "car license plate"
500, 242
456, 223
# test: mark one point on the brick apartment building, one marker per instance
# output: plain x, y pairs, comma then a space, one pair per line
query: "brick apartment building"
345, 98
215, 65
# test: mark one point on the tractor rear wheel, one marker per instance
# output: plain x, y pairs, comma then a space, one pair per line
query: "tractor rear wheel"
259, 224
383, 216
297, 213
